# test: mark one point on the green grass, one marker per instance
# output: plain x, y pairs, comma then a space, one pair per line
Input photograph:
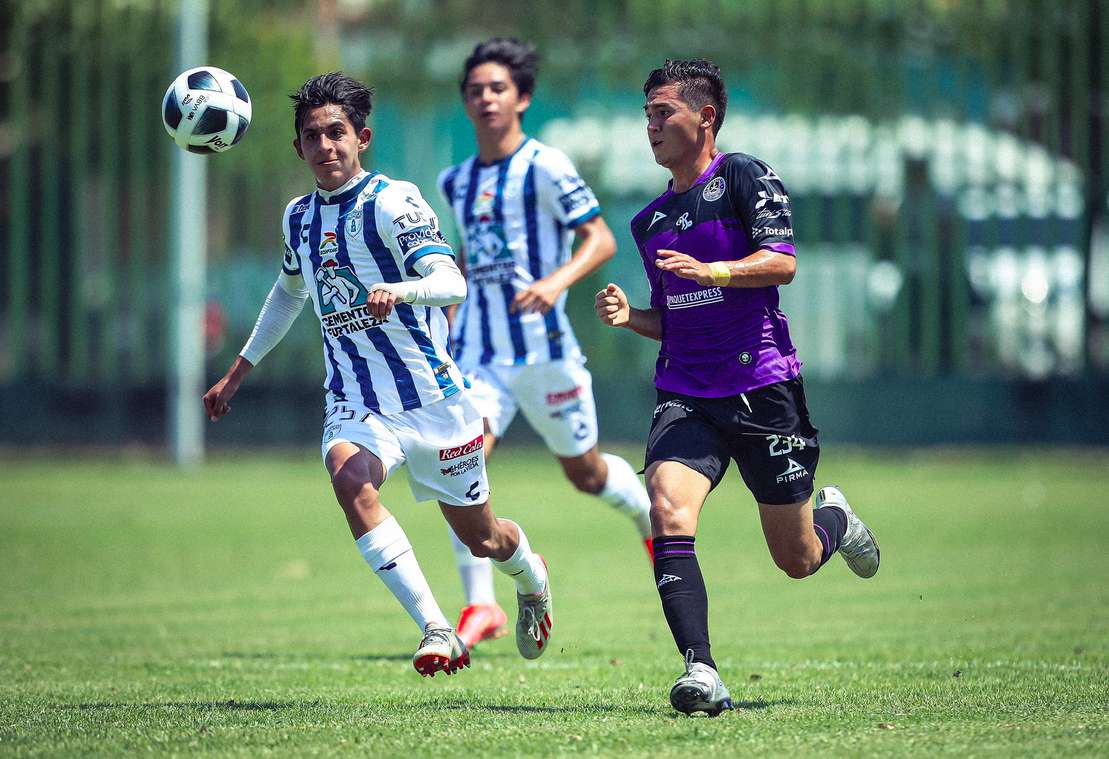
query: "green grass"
226, 611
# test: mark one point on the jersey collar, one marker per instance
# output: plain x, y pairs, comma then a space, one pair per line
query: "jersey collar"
508, 157
713, 166
352, 187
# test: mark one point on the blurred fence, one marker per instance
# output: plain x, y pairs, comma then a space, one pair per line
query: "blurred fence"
946, 161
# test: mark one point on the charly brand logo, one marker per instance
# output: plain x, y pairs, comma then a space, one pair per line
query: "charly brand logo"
666, 579
658, 215
714, 190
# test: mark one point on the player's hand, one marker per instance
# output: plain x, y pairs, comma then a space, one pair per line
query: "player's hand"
684, 265
539, 296
381, 301
217, 401
612, 306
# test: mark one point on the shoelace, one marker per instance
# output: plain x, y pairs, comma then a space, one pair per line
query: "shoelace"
533, 623
437, 635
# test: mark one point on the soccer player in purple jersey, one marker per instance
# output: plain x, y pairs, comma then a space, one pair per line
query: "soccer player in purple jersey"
716, 246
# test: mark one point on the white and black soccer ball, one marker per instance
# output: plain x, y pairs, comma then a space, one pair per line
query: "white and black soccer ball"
206, 110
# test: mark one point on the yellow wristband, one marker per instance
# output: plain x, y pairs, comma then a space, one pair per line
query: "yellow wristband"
721, 274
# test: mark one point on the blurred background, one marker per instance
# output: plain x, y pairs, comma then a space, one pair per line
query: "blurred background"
946, 160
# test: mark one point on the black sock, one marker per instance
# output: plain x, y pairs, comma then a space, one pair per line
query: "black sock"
684, 600
830, 523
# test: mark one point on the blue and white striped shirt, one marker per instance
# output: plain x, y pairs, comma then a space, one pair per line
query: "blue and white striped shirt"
342, 243
517, 217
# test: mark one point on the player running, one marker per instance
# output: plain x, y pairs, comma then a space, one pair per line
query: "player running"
716, 246
368, 251
519, 205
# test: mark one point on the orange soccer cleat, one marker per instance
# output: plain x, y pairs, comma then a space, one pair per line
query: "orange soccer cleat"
479, 622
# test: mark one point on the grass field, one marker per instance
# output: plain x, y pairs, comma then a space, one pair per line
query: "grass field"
227, 611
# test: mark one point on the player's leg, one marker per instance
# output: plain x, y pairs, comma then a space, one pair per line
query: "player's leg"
482, 618
685, 460
777, 453
446, 461
356, 477
557, 400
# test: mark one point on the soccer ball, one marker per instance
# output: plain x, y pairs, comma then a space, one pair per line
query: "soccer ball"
206, 110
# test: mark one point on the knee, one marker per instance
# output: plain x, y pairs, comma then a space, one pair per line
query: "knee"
796, 565
353, 492
667, 517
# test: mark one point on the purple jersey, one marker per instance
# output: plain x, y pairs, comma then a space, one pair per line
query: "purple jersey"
719, 341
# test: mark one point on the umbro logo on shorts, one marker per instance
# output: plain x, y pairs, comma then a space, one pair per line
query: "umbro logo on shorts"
667, 578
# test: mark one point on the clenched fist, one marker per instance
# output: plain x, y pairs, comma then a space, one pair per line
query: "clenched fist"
612, 307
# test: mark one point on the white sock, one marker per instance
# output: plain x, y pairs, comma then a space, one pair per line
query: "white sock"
624, 492
387, 550
524, 567
476, 572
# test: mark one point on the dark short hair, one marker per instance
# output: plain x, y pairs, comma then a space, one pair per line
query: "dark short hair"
699, 83
334, 88
518, 57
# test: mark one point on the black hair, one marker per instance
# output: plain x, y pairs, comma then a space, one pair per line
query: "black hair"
699, 83
335, 88
518, 57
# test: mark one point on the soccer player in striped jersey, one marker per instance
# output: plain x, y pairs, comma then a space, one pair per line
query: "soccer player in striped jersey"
716, 246
368, 251
519, 204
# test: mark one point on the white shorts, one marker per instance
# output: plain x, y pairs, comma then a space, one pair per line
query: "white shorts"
443, 445
555, 397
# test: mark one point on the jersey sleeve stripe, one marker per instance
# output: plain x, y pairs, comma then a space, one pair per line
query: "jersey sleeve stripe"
589, 214
426, 250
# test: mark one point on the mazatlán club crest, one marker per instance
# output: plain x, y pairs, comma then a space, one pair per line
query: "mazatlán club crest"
714, 190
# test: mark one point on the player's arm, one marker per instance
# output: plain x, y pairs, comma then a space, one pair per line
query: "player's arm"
762, 268
283, 304
596, 245
440, 283
611, 305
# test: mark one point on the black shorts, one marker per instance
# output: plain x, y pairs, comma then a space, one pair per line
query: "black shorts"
767, 431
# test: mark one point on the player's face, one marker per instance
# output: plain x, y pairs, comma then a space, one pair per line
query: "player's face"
677, 132
331, 146
493, 102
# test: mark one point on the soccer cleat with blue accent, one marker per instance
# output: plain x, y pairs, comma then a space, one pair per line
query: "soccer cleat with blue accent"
858, 547
700, 689
535, 620
441, 650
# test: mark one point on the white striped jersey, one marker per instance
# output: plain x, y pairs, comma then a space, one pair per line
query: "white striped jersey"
343, 243
516, 217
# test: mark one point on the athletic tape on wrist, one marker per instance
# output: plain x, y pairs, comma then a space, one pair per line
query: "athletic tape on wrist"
721, 274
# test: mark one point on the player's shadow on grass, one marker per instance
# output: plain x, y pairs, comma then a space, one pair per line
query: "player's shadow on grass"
207, 706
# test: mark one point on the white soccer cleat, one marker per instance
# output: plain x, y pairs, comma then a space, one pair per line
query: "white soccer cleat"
535, 620
441, 650
700, 689
858, 547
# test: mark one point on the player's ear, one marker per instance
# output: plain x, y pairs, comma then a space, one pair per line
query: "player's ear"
364, 138
708, 115
523, 103
296, 147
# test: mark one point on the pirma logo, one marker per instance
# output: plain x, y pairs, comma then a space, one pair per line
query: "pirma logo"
793, 472
446, 454
667, 578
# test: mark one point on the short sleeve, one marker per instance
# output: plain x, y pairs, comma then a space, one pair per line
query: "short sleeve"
413, 228
760, 200
561, 192
290, 234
